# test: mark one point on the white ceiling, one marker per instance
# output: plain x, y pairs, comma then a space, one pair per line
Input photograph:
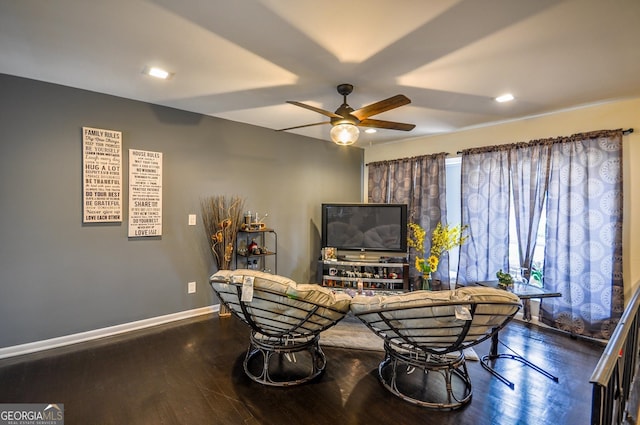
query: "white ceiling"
242, 59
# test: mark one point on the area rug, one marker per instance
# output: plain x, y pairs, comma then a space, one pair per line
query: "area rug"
353, 334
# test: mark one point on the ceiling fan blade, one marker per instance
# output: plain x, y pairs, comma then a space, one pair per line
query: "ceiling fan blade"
305, 125
387, 124
313, 108
381, 106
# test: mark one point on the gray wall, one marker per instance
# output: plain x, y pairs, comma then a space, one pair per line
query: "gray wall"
59, 277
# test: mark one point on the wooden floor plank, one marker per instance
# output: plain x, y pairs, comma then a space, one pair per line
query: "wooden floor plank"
191, 372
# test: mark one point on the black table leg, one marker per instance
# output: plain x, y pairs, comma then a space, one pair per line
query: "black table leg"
526, 309
494, 355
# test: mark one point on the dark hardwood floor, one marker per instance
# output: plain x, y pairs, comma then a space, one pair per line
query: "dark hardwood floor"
190, 372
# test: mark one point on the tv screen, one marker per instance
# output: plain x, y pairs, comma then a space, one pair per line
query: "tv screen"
365, 227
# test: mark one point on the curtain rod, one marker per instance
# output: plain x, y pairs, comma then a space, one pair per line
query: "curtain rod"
624, 133
409, 158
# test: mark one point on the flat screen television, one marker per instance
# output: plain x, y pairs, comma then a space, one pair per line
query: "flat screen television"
365, 227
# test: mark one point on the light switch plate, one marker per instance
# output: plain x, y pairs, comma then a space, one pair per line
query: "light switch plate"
191, 287
192, 219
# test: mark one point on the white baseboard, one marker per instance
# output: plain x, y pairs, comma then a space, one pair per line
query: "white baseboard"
48, 344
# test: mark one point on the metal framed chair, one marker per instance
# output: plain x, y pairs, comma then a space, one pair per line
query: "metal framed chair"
425, 334
286, 319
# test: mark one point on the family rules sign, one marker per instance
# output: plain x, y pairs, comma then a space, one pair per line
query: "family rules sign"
101, 175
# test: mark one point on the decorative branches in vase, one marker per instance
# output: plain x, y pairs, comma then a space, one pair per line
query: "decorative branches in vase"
222, 217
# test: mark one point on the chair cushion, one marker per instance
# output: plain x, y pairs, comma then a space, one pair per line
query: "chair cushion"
430, 317
280, 303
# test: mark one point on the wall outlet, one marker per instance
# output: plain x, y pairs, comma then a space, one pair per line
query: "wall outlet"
191, 287
192, 219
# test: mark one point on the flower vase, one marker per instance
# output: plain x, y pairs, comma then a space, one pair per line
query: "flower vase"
426, 282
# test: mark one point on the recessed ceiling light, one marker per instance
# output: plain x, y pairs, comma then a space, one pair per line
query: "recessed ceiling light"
370, 130
157, 72
504, 98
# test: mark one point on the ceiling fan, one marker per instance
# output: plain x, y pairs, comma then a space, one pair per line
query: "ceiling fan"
345, 120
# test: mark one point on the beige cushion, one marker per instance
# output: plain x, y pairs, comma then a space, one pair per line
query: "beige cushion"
280, 303
426, 323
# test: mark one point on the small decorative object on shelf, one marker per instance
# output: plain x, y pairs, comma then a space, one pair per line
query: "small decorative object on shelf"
359, 276
505, 280
252, 251
329, 253
253, 222
253, 247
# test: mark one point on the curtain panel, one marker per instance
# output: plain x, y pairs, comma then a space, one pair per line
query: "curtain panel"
529, 179
420, 183
485, 209
583, 250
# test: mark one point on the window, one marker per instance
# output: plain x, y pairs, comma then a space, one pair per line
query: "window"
454, 206
538, 253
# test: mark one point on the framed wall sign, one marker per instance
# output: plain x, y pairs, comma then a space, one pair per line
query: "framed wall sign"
101, 175
145, 193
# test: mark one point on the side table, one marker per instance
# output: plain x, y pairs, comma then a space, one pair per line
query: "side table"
525, 293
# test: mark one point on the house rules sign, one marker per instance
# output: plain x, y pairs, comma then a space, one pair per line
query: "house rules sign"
145, 193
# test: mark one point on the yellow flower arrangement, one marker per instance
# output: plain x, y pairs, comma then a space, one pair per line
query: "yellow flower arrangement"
444, 238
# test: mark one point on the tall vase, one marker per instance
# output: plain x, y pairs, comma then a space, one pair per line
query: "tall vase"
426, 282
224, 310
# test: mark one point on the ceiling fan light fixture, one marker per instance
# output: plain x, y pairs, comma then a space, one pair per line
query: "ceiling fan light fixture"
344, 134
345, 120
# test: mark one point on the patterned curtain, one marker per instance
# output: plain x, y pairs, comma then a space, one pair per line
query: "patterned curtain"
429, 205
391, 182
583, 251
530, 164
420, 183
485, 209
